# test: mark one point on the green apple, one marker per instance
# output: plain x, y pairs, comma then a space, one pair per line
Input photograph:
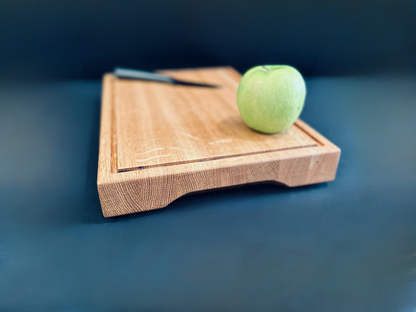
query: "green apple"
270, 98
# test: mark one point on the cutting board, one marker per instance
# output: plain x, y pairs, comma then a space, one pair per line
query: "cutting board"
160, 141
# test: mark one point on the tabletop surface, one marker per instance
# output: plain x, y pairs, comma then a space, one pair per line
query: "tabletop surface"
347, 245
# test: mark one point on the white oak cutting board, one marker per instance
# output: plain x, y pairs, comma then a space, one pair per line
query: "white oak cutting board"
160, 141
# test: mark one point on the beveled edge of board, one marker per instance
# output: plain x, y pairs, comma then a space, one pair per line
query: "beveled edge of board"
156, 187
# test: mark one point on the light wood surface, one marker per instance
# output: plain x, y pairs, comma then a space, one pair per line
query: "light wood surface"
160, 141
161, 124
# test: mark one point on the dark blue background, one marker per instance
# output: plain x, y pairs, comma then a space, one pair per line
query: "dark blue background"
344, 246
83, 39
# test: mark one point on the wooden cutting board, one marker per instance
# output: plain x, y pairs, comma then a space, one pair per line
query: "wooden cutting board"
160, 141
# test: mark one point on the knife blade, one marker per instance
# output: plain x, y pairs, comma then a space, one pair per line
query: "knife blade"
127, 73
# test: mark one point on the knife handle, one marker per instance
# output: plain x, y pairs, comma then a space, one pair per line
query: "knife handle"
140, 74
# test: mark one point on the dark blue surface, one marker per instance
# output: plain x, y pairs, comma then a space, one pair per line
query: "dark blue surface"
348, 245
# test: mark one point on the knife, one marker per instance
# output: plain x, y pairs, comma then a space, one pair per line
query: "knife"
126, 73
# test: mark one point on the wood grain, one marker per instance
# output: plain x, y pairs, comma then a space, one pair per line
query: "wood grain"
159, 141
161, 124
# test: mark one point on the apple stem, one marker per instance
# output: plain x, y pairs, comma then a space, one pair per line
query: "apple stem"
266, 68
